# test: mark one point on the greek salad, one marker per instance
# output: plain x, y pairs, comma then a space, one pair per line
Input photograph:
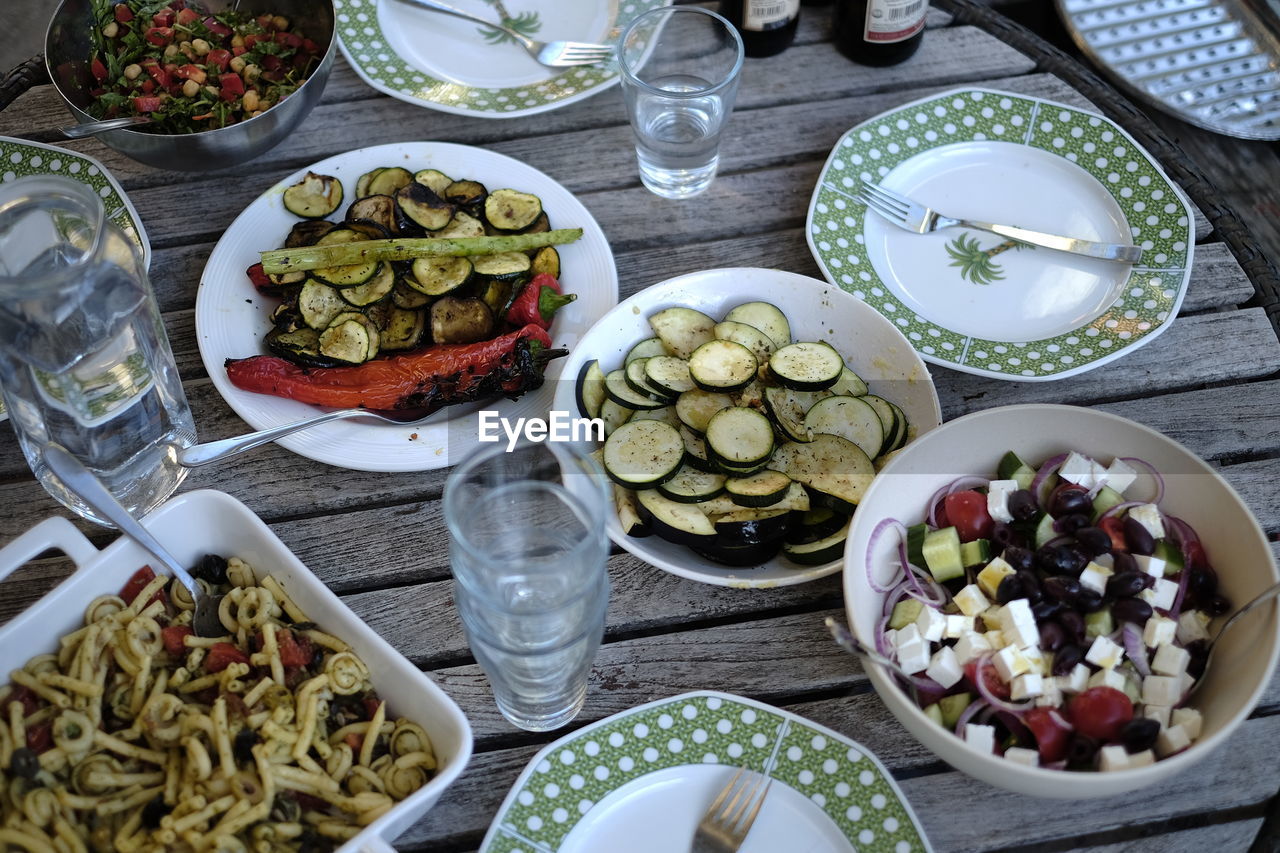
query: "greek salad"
1052, 615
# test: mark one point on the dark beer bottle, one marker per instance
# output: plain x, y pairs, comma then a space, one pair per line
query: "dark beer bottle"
767, 26
879, 32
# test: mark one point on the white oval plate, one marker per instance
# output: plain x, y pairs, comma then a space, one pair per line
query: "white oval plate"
448, 64
873, 348
972, 300
231, 319
639, 781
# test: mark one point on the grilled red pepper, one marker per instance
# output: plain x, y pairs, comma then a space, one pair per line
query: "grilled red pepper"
538, 302
423, 381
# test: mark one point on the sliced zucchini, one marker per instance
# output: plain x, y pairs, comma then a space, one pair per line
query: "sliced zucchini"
616, 387
821, 552
749, 336
541, 225
347, 275
722, 366
681, 523
751, 396
696, 407
634, 375
763, 489
590, 389
318, 303
314, 197
435, 275
739, 437
731, 470
307, 232
695, 450
795, 500
829, 464
808, 366
373, 290
506, 265
765, 317
362, 183
690, 485
629, 512
546, 261
667, 374
405, 295
301, 346
403, 329
648, 348
460, 321
511, 210
884, 411
789, 408
379, 209
899, 438
666, 414
849, 384
434, 180
848, 417
423, 207
367, 229
468, 194
387, 181
751, 526
614, 415
462, 225
643, 454
816, 524
350, 338
682, 330
739, 556
286, 279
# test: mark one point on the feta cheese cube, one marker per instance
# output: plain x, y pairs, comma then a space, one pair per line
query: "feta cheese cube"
969, 646
1107, 678
1052, 695
1120, 475
1161, 690
1193, 625
957, 626
913, 656
980, 737
1020, 624
1104, 653
1170, 660
995, 638
1159, 713
991, 575
1158, 631
1142, 759
931, 624
998, 492
1107, 561
1185, 682
1009, 662
909, 634
1095, 577
1036, 660
971, 601
1153, 566
1076, 680
1189, 719
1022, 755
1148, 515
1027, 686
1172, 739
1113, 758
1080, 470
944, 668
890, 640
1161, 595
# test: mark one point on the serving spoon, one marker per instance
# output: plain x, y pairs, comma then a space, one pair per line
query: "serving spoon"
1260, 599
93, 128
851, 644
89, 488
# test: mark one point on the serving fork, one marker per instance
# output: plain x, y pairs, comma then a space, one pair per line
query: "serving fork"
725, 825
557, 54
913, 216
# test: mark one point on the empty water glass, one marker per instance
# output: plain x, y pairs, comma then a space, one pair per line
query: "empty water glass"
528, 550
680, 68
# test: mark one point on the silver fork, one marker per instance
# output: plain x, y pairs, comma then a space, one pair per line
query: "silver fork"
725, 825
913, 216
557, 54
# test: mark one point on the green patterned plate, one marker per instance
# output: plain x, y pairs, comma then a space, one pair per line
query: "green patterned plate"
971, 300
20, 158
449, 64
640, 781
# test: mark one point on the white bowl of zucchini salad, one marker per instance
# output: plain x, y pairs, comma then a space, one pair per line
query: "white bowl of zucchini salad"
1068, 569
746, 412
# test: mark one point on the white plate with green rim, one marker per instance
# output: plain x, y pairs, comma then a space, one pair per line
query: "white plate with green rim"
979, 303
449, 64
641, 780
21, 158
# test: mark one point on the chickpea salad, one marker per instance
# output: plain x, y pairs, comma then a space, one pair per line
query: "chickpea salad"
1050, 617
190, 70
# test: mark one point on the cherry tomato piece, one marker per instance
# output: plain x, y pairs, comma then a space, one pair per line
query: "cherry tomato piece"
294, 651
967, 511
222, 655
1100, 712
994, 683
141, 578
1052, 736
1114, 528
173, 636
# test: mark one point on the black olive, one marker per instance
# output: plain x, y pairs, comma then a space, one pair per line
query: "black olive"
1139, 733
1046, 609
246, 740
1088, 600
1128, 584
1073, 623
1052, 636
1002, 534
1065, 559
1094, 540
1066, 659
24, 763
1202, 584
1061, 588
1199, 651
1217, 605
1072, 523
1022, 505
1030, 585
1019, 558
153, 811
1081, 751
211, 568
1068, 500
1138, 538
1133, 610
1009, 589
1122, 561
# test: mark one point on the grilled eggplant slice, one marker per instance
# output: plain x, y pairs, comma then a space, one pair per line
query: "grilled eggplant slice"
434, 180
308, 232
539, 226
388, 180
403, 329
683, 524
436, 276
314, 197
301, 346
424, 207
460, 321
739, 556
468, 195
511, 210
629, 512
590, 389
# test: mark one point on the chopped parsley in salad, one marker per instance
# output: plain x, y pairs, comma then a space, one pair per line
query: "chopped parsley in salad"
1049, 616
190, 70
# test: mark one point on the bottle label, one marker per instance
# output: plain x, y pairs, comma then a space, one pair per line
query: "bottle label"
891, 21
761, 15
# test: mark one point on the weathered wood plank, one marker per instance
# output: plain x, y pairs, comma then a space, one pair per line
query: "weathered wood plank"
1221, 836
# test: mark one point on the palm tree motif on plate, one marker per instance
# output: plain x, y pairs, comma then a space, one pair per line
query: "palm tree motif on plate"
525, 23
976, 263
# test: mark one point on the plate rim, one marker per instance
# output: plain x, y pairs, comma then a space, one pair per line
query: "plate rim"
298, 443
1075, 370
495, 827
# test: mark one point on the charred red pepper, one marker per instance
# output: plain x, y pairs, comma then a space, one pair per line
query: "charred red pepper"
222, 655
173, 637
423, 381
538, 303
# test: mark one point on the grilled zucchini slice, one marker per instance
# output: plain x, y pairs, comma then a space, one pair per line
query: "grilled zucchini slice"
676, 522
307, 232
690, 485
460, 321
373, 290
848, 417
722, 366
546, 260
511, 210
318, 303
505, 265
590, 389
434, 180
765, 317
423, 207
629, 512
467, 194
402, 330
614, 415
362, 183
616, 387
314, 197
759, 490
696, 407
668, 375
388, 180
379, 209
301, 346
808, 366
347, 275
643, 454
682, 330
741, 438
831, 465
648, 348
463, 224
760, 344
436, 276
403, 295
351, 337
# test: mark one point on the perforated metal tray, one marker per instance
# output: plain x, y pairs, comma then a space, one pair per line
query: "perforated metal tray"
1213, 63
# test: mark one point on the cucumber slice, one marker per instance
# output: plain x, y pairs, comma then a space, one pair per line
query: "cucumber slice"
765, 317
809, 366
590, 389
740, 437
667, 374
683, 524
682, 330
314, 197
648, 348
615, 385
1012, 467
905, 612
696, 407
690, 485
643, 454
829, 464
760, 344
1104, 500
1044, 530
722, 366
848, 417
759, 490
975, 553
511, 210
614, 415
915, 543
942, 554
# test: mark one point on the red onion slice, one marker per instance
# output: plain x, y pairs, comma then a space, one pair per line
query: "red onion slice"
1183, 577
966, 483
895, 595
1135, 648
985, 692
882, 642
1042, 476
935, 500
968, 714
1156, 475
880, 529
1119, 508
1058, 719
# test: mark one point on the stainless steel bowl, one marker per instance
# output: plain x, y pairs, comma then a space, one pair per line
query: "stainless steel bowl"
68, 49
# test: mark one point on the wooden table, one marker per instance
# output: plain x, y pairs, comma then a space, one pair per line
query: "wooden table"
1210, 382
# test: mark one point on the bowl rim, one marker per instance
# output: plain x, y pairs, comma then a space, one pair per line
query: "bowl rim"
913, 717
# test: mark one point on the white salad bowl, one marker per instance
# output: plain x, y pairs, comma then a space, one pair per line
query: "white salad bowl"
209, 522
1236, 546
817, 311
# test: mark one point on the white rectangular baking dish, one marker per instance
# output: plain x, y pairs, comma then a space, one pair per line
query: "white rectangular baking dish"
211, 522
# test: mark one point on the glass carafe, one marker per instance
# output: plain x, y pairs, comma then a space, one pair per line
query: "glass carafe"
84, 360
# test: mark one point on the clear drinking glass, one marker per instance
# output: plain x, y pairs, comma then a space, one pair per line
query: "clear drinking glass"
528, 550
84, 361
680, 68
